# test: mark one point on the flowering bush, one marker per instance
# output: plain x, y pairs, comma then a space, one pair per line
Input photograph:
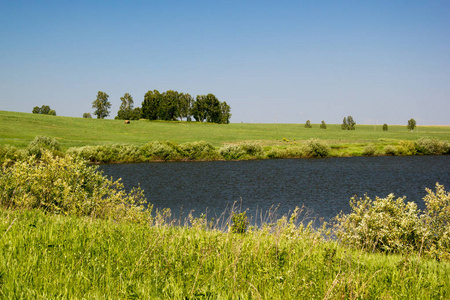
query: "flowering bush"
391, 225
67, 185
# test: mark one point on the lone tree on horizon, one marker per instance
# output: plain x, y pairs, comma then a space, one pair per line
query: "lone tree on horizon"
308, 124
411, 124
101, 105
323, 125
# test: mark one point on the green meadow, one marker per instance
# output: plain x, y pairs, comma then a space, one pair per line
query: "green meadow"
18, 129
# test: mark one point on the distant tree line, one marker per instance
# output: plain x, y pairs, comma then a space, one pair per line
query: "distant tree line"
44, 110
170, 106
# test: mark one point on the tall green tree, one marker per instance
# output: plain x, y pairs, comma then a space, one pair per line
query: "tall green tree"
199, 108
151, 105
411, 124
101, 105
348, 123
385, 127
213, 110
225, 113
323, 125
185, 103
308, 124
169, 106
126, 108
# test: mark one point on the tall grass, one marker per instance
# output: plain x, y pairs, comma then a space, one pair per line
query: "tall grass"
53, 256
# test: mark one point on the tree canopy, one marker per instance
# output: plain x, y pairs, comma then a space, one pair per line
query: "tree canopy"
101, 105
348, 123
172, 105
411, 124
44, 110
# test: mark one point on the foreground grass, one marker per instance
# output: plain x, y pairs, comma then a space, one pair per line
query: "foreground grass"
18, 129
45, 256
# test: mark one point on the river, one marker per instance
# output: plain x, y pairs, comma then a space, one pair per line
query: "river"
322, 186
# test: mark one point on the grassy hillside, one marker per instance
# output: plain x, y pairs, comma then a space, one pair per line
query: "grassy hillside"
18, 129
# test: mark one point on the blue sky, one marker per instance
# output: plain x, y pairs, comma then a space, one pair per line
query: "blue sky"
272, 61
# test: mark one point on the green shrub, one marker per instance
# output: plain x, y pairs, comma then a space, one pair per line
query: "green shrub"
230, 152
240, 222
390, 225
88, 153
198, 150
252, 149
369, 150
295, 151
10, 153
390, 150
317, 148
277, 153
241, 151
437, 222
386, 224
107, 153
160, 151
428, 146
66, 185
41, 143
406, 148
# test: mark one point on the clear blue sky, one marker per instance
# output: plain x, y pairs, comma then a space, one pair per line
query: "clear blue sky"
272, 61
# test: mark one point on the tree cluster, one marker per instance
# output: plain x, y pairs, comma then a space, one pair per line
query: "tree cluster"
348, 123
44, 110
169, 106
172, 105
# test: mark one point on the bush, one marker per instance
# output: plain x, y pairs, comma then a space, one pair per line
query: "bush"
390, 225
390, 150
10, 154
160, 151
437, 222
107, 153
240, 222
230, 152
296, 151
406, 148
277, 153
41, 143
428, 146
198, 150
317, 148
386, 224
66, 185
369, 150
244, 150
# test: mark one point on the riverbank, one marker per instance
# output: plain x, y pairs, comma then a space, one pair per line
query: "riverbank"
19, 129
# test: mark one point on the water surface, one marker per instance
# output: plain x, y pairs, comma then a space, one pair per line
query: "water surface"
323, 186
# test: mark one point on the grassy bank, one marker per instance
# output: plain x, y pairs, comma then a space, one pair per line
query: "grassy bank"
275, 140
46, 256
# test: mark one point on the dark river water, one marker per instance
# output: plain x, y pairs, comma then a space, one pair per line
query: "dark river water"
322, 186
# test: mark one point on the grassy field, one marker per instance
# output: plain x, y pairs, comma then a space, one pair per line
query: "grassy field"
18, 129
44, 256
